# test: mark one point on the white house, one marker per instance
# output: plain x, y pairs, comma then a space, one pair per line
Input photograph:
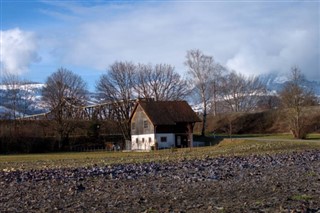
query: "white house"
162, 124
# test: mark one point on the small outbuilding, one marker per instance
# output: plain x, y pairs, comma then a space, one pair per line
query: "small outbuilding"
162, 124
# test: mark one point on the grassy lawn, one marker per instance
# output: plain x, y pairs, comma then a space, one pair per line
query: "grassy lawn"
226, 147
313, 136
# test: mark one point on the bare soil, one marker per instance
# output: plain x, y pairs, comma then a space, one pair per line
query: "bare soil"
255, 183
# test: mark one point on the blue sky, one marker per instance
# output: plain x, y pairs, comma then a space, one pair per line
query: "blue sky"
251, 37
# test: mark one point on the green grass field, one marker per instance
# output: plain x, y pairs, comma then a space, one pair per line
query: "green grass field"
313, 136
226, 147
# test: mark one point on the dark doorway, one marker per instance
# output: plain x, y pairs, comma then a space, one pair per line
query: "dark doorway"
181, 141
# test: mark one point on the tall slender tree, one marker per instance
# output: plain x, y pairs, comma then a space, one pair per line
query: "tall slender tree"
202, 71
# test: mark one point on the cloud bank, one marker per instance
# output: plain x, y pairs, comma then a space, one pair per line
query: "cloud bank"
18, 51
249, 38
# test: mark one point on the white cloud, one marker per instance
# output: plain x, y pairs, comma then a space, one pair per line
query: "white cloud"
251, 38
18, 51
278, 53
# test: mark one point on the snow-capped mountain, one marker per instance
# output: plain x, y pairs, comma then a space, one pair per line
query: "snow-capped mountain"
275, 83
26, 99
20, 100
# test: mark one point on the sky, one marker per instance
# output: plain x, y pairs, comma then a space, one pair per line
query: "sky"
252, 37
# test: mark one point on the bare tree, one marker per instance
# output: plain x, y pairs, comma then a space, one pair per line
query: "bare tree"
218, 73
11, 97
202, 71
141, 80
64, 92
117, 86
17, 96
241, 93
294, 99
160, 82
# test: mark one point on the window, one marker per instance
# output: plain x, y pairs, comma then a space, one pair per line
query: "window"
137, 140
145, 124
163, 139
133, 125
150, 140
142, 140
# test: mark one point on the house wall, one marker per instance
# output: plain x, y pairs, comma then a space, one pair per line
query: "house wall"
170, 140
142, 142
138, 121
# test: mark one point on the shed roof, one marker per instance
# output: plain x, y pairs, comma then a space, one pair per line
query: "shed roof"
168, 112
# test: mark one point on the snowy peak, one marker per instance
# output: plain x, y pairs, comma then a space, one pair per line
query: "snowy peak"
275, 82
20, 100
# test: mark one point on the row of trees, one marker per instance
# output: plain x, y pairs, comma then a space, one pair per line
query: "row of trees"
207, 84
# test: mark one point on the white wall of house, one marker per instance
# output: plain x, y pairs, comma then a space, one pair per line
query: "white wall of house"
145, 141
170, 140
142, 142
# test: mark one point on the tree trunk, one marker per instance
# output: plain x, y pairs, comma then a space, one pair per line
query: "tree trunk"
204, 118
190, 135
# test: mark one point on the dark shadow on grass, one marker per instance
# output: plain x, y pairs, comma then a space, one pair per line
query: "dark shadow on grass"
208, 140
314, 138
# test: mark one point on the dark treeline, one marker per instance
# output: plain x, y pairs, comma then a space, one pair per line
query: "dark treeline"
36, 136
